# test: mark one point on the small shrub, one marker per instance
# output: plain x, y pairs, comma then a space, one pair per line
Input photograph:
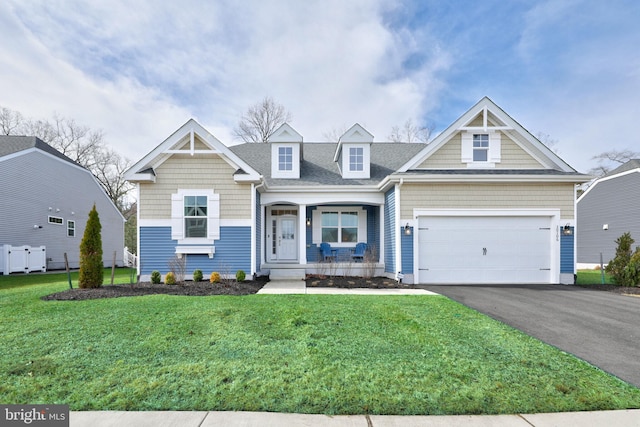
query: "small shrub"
91, 272
240, 276
197, 275
170, 278
155, 277
631, 273
215, 277
618, 264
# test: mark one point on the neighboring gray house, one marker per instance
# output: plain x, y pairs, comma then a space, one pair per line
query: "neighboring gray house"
46, 199
609, 208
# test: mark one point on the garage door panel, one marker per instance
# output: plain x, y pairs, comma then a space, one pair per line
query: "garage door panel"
484, 249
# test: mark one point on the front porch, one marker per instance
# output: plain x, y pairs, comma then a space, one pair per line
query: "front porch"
282, 271
292, 236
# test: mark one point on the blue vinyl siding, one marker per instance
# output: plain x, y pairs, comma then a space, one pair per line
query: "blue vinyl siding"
313, 252
232, 251
407, 252
566, 252
389, 229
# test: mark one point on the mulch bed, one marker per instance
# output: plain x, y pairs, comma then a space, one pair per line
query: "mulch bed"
145, 288
314, 281
253, 286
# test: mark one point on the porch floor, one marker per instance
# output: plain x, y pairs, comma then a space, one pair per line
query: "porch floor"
300, 287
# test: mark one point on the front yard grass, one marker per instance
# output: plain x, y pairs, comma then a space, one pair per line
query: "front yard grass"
286, 353
593, 277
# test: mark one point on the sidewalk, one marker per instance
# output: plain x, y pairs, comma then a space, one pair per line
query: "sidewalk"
628, 418
299, 287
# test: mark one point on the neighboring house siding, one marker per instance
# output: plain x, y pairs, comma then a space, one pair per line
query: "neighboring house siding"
33, 183
488, 196
567, 243
157, 249
200, 171
449, 156
615, 202
407, 252
389, 229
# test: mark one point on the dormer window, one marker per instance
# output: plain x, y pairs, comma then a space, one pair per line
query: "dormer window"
480, 147
285, 158
356, 159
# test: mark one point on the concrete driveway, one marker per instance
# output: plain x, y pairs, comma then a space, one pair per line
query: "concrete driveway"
602, 328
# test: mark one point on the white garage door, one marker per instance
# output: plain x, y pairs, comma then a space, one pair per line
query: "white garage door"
495, 249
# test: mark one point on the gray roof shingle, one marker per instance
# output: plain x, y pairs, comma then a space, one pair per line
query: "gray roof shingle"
10, 144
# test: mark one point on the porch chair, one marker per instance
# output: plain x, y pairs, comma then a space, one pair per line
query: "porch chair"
358, 254
326, 252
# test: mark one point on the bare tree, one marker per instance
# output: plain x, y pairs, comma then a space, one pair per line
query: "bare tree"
609, 160
260, 120
547, 140
334, 134
80, 143
411, 132
10, 121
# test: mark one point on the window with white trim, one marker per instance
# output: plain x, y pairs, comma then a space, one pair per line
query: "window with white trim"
341, 226
71, 228
356, 159
285, 158
195, 216
55, 220
480, 147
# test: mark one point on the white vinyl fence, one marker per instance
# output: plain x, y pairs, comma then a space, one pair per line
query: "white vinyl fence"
22, 259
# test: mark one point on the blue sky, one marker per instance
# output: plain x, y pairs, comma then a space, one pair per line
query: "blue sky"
139, 69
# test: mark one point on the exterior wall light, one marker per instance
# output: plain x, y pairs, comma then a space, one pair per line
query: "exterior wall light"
308, 222
566, 230
407, 230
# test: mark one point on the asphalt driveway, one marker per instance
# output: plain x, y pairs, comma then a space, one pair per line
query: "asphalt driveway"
602, 328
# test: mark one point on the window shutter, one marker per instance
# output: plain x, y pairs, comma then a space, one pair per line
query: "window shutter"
467, 147
213, 219
494, 147
177, 219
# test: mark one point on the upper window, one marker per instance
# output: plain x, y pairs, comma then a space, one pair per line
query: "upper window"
55, 220
340, 227
195, 216
71, 228
480, 147
356, 159
285, 158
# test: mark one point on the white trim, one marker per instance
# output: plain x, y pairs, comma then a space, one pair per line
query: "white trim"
167, 222
326, 196
188, 250
396, 228
294, 173
607, 178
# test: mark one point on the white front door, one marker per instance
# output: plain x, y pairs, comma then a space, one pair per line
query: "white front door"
286, 246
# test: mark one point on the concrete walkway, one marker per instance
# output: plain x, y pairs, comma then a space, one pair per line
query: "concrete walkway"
628, 418
299, 287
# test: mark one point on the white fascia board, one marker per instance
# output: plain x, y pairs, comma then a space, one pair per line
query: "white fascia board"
141, 177
486, 178
607, 178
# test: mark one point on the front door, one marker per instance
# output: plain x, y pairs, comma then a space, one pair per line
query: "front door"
286, 246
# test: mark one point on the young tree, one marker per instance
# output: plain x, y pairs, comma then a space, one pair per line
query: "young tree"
260, 121
91, 267
618, 264
410, 132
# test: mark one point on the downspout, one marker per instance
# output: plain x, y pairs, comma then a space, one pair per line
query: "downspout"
398, 237
254, 266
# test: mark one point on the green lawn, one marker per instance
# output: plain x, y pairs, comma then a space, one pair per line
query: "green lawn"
286, 353
592, 277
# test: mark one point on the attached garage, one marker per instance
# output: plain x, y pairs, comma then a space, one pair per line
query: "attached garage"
487, 247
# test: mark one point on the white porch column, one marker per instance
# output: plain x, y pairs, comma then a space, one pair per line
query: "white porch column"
302, 234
